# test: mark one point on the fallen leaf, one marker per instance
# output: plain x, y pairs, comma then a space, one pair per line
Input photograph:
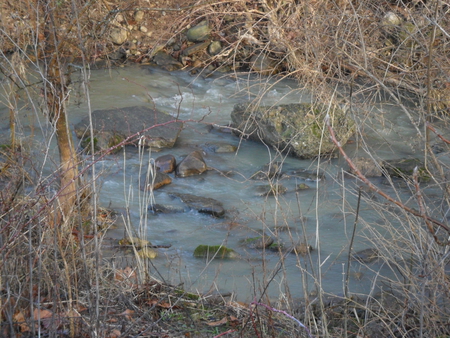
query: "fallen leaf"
46, 318
39, 314
234, 321
20, 319
114, 334
164, 305
124, 274
127, 314
223, 321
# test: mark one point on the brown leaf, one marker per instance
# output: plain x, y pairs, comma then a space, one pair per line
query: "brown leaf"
164, 305
127, 314
20, 319
223, 321
125, 274
42, 314
114, 334
233, 321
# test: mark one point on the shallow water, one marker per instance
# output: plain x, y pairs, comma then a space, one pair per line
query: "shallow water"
322, 212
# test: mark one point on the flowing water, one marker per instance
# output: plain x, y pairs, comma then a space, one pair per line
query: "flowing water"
322, 212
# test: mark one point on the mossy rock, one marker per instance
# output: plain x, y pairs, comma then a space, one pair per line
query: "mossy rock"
259, 242
277, 246
148, 253
368, 255
302, 249
199, 32
302, 186
214, 251
298, 129
267, 171
137, 242
102, 141
308, 175
270, 190
404, 168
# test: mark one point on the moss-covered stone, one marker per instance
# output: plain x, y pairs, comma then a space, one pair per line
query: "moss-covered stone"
258, 242
214, 251
405, 168
295, 128
270, 190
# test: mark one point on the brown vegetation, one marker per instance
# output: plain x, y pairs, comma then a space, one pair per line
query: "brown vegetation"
54, 283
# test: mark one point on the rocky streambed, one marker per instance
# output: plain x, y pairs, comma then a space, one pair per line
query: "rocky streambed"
215, 187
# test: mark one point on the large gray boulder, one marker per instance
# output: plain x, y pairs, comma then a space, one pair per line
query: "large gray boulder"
112, 126
293, 128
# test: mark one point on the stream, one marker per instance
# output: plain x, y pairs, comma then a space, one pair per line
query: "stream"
323, 215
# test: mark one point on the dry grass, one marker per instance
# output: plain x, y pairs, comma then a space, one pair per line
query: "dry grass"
56, 283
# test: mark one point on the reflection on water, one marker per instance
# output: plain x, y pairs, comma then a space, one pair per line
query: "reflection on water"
325, 209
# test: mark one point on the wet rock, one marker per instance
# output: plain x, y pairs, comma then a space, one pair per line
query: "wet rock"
283, 228
264, 64
137, 242
302, 186
259, 242
165, 209
103, 141
112, 125
396, 182
301, 249
199, 32
214, 251
293, 128
405, 167
167, 62
307, 175
270, 190
267, 172
166, 163
148, 253
155, 180
219, 148
193, 164
198, 47
367, 167
204, 205
118, 35
367, 255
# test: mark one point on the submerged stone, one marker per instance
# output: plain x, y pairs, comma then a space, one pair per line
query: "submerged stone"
367, 255
405, 167
259, 242
154, 180
214, 251
270, 190
204, 205
146, 126
268, 171
137, 242
148, 253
